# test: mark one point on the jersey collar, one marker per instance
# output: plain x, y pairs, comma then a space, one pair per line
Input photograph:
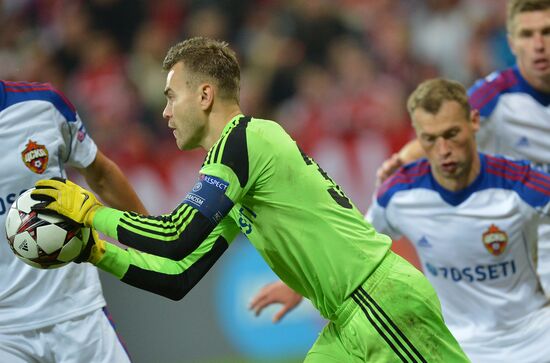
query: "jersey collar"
541, 97
231, 123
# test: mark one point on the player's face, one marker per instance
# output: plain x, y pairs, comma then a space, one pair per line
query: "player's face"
529, 40
448, 139
183, 110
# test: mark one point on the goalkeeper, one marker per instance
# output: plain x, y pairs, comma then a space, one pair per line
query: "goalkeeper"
257, 181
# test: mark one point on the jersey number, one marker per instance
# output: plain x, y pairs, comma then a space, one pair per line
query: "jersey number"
335, 191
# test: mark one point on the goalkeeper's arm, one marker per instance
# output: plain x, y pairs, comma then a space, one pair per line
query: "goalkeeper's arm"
173, 235
159, 275
79, 204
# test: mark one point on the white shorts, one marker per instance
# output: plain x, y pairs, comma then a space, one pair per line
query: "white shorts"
87, 338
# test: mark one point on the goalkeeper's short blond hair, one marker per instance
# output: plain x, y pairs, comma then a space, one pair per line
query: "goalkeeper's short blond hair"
208, 60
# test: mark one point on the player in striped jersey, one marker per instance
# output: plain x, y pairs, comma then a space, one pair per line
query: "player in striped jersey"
52, 315
474, 221
255, 179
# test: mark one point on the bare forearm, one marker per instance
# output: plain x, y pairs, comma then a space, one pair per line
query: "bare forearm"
109, 183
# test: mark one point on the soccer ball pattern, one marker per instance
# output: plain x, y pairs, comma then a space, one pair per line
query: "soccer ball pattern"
42, 240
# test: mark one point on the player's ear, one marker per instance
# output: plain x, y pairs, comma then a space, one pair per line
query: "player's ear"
207, 96
474, 118
511, 43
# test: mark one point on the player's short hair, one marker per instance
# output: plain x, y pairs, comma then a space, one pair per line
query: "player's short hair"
208, 59
430, 95
521, 6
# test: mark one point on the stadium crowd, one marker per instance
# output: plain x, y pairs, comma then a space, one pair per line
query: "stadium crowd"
363, 56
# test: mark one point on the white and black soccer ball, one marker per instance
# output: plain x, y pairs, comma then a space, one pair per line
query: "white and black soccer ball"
41, 240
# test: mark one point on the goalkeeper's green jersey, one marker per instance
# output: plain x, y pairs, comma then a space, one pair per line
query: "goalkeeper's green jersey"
256, 180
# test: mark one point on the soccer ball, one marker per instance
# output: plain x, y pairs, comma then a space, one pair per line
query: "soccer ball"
41, 240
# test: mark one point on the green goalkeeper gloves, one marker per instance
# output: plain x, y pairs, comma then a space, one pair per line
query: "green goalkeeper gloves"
67, 199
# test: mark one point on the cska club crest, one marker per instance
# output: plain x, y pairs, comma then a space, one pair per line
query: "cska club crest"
495, 240
35, 157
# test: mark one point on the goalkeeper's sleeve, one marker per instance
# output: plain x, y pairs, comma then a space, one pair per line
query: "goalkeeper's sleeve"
164, 276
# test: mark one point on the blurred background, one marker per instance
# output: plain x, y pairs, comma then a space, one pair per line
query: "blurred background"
335, 74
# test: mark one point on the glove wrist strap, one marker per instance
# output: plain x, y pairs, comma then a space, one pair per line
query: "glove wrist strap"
97, 252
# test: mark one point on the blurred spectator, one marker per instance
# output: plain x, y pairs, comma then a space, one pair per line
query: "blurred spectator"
102, 87
441, 30
120, 19
168, 14
209, 22
303, 115
488, 48
144, 70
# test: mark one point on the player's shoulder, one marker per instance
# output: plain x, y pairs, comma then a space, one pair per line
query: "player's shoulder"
231, 149
16, 92
485, 93
408, 177
245, 139
242, 133
265, 129
531, 185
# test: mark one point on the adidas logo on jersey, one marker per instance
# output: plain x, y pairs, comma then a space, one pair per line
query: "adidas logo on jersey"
522, 142
423, 242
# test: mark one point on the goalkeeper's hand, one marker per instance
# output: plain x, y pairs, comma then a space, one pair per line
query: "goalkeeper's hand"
67, 199
93, 250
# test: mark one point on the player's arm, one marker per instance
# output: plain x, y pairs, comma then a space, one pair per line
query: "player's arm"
180, 255
179, 233
223, 180
410, 152
109, 183
275, 293
174, 235
160, 275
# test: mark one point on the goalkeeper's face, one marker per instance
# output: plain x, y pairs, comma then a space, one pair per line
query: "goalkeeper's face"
448, 139
185, 108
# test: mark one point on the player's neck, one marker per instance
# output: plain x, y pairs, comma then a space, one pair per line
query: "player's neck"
541, 84
217, 120
458, 184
